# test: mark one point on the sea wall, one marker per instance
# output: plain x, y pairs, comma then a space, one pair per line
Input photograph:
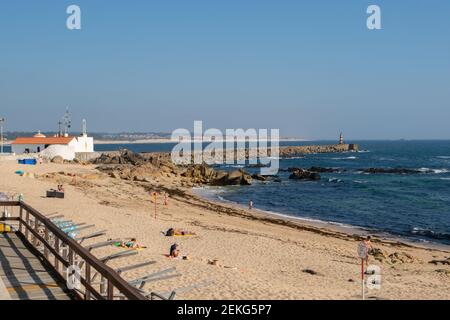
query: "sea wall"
287, 152
241, 154
332, 148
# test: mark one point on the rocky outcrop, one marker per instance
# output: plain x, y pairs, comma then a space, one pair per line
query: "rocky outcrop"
312, 169
300, 174
323, 170
145, 167
203, 174
58, 159
236, 177
391, 170
123, 157
141, 167
131, 166
259, 177
258, 165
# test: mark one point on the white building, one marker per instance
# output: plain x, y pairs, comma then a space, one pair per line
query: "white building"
49, 147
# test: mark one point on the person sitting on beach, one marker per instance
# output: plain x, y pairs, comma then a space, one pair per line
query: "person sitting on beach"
60, 188
174, 251
177, 232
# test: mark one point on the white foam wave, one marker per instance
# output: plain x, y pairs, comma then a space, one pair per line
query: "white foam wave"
343, 225
335, 180
223, 199
436, 171
345, 158
293, 158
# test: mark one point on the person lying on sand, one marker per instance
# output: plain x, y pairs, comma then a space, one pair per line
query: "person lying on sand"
130, 244
177, 232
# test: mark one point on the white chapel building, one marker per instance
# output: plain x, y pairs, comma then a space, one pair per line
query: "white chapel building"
65, 146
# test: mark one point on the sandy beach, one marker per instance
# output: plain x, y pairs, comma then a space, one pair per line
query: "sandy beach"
259, 256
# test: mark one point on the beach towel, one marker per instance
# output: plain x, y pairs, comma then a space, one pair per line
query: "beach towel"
5, 228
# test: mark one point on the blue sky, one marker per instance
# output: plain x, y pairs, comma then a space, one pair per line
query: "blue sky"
310, 68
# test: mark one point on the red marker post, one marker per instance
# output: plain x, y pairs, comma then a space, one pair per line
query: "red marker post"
362, 253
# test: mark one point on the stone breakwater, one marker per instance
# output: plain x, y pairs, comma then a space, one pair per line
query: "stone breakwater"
245, 154
283, 152
302, 150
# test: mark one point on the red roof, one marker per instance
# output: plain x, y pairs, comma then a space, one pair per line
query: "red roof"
50, 140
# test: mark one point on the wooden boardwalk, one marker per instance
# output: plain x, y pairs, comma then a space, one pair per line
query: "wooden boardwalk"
24, 276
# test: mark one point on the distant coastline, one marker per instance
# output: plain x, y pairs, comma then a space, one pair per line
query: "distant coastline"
150, 141
155, 141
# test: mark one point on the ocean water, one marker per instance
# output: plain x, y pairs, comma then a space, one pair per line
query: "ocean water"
412, 206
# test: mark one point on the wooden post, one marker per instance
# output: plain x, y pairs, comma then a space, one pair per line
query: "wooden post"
59, 252
103, 288
27, 222
21, 217
87, 293
70, 256
46, 240
110, 295
36, 229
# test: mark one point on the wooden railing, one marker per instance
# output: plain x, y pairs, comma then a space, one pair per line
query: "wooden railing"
61, 252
